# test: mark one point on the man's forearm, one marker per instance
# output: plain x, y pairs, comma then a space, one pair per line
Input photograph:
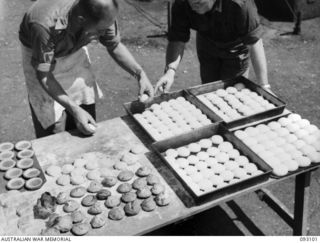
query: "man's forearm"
259, 62
54, 89
174, 54
124, 58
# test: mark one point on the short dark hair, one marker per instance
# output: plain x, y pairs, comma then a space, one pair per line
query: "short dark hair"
94, 10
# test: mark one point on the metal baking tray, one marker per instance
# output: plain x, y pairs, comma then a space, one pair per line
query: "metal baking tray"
300, 169
207, 88
3, 181
137, 107
161, 147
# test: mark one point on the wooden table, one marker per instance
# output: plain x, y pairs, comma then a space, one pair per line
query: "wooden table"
115, 136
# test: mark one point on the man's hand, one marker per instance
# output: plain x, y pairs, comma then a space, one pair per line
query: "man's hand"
146, 87
83, 119
165, 82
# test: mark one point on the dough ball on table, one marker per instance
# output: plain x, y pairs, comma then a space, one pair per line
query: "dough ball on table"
194, 147
64, 223
190, 170
157, 189
182, 163
71, 206
144, 193
7, 146
292, 165
284, 121
63, 180
94, 187
239, 86
294, 117
225, 147
79, 171
274, 125
205, 143
124, 188
293, 127
143, 171
53, 170
242, 160
202, 156
109, 181
217, 168
77, 216
13, 173
62, 198
128, 197
129, 158
138, 149
98, 221
231, 165
240, 173
96, 208
78, 192
15, 184
199, 166
183, 152
256, 173
103, 194
92, 165
67, 169
7, 164
250, 168
162, 199
77, 180
120, 166
216, 180
112, 202
303, 161
148, 205
233, 154
79, 163
80, 229
213, 151
222, 157
94, 175
116, 214
132, 208
139, 183
226, 175
105, 172
196, 178
125, 175
193, 160
152, 179
280, 170
205, 185
171, 153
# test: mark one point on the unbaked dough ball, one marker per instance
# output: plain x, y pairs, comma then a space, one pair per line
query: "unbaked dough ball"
63, 180
67, 169
53, 170
183, 151
217, 139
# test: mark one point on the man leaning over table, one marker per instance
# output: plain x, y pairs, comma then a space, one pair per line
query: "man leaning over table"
228, 35
61, 86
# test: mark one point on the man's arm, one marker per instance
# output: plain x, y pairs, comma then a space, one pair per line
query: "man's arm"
259, 63
54, 89
174, 54
124, 58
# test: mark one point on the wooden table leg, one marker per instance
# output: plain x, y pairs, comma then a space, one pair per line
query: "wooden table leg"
301, 204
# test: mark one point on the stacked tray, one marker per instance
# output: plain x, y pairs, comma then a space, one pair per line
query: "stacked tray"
211, 162
289, 144
171, 115
238, 101
19, 167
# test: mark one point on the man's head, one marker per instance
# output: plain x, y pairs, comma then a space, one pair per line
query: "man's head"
201, 6
96, 15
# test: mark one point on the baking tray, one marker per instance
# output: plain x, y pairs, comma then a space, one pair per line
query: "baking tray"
135, 107
3, 181
300, 169
182, 140
207, 88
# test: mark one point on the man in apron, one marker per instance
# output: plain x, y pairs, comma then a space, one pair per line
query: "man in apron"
228, 35
61, 86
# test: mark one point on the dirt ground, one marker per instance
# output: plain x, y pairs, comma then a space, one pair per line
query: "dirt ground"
293, 68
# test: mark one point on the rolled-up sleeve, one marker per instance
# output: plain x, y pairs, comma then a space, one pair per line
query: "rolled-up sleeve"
248, 23
180, 26
43, 59
111, 37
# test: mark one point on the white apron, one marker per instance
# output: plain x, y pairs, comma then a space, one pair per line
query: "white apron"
75, 76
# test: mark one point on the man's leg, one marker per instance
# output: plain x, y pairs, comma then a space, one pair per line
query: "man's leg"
40, 132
